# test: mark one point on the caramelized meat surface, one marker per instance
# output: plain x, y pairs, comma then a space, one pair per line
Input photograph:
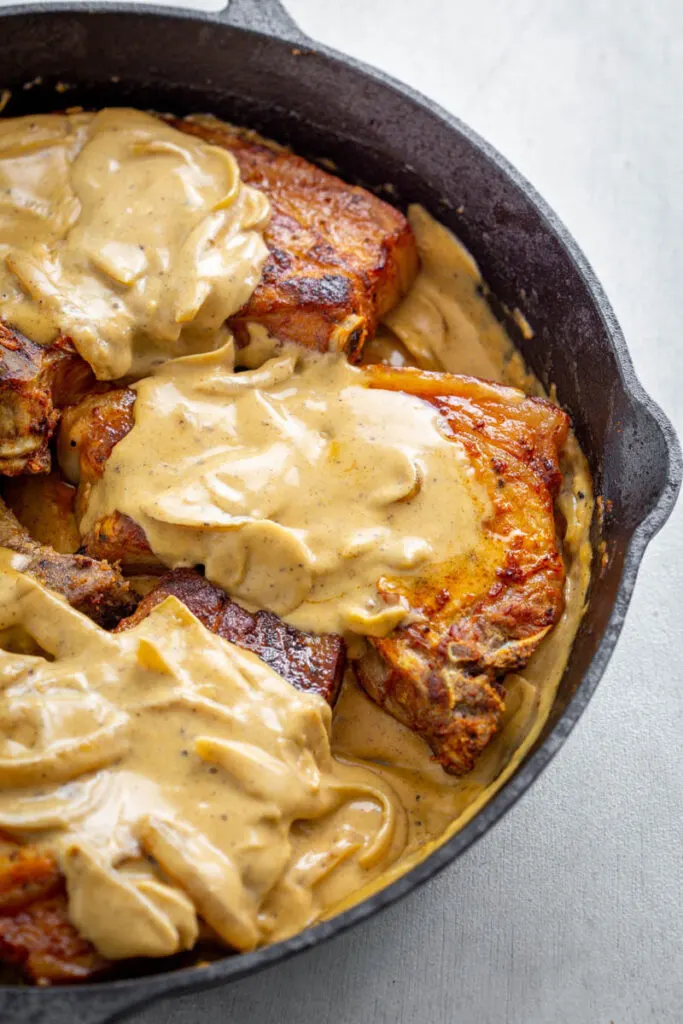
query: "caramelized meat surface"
94, 588
340, 258
90, 429
35, 381
117, 538
87, 435
311, 663
442, 674
36, 935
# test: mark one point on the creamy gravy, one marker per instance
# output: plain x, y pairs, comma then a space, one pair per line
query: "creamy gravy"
295, 485
123, 753
445, 323
132, 238
174, 774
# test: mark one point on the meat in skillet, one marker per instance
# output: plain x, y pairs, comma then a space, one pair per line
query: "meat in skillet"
95, 588
442, 675
35, 381
314, 663
36, 935
340, 258
310, 662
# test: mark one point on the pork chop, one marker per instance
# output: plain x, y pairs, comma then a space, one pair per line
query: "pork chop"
35, 381
442, 674
340, 257
470, 623
314, 663
95, 588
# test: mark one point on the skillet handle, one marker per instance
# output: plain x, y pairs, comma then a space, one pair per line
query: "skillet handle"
268, 16
653, 468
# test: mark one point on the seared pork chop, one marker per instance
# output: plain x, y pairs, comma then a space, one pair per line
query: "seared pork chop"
314, 663
95, 588
310, 662
35, 381
470, 622
36, 934
442, 674
340, 258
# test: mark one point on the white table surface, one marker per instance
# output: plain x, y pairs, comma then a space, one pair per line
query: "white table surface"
569, 910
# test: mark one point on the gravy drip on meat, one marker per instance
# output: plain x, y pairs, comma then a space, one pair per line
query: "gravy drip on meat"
173, 775
295, 485
134, 239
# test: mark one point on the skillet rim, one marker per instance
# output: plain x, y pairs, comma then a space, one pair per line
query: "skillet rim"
109, 1000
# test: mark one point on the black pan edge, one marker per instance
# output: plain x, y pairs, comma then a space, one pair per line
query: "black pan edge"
110, 1000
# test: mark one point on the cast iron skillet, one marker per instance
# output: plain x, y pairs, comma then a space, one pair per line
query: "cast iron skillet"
251, 64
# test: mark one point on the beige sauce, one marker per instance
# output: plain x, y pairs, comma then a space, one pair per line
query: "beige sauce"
132, 238
438, 805
295, 485
445, 324
175, 775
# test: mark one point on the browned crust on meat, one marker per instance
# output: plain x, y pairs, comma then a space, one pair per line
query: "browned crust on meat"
118, 538
87, 436
442, 674
35, 381
314, 663
36, 935
340, 258
26, 874
89, 431
95, 588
